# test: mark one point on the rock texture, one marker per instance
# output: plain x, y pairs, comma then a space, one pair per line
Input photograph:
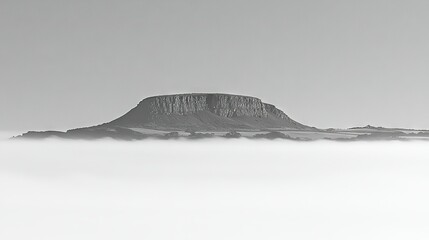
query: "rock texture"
206, 112
220, 104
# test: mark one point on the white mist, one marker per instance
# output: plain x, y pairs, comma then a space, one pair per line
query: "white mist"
228, 189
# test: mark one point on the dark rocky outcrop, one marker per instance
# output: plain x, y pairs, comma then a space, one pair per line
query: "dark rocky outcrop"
232, 134
272, 135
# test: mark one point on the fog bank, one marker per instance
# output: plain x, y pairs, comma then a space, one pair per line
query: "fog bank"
213, 189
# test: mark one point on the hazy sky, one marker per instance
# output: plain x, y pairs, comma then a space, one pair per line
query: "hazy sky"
66, 64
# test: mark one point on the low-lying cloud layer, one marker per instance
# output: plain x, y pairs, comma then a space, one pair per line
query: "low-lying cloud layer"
212, 189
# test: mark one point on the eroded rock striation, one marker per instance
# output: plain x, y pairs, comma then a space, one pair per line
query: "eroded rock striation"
220, 104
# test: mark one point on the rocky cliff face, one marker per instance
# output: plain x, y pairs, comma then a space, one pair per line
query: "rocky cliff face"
220, 104
205, 111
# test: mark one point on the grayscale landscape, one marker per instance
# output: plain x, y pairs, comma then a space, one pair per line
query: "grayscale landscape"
214, 120
202, 115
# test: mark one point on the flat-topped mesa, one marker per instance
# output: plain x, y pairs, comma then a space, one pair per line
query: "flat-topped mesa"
205, 111
223, 105
167, 115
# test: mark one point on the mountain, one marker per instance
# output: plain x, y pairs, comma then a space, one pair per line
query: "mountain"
205, 112
203, 115
194, 112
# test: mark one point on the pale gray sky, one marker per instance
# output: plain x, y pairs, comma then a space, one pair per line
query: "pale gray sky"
66, 64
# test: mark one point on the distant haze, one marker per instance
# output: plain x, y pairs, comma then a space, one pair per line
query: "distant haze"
67, 64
